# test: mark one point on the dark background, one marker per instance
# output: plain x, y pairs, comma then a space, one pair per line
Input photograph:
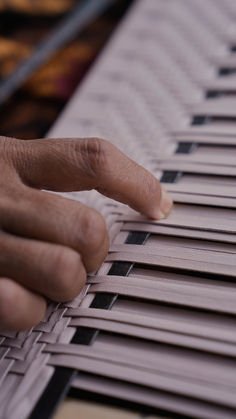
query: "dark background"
32, 109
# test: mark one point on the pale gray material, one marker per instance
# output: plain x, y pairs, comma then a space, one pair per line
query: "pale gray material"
153, 378
193, 167
150, 397
180, 197
165, 335
199, 261
179, 232
172, 292
207, 156
191, 326
155, 358
142, 94
210, 219
206, 139
203, 188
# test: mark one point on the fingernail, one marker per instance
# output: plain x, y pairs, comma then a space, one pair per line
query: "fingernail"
166, 203
165, 206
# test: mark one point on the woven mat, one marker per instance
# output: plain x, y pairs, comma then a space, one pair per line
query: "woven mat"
164, 299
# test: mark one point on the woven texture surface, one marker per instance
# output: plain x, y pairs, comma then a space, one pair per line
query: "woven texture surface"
173, 342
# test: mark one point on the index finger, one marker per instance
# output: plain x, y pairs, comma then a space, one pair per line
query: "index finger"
91, 163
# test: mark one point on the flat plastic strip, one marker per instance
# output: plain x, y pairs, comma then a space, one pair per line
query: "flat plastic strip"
203, 189
221, 83
5, 367
156, 280
229, 60
160, 360
148, 378
179, 232
215, 108
181, 242
190, 254
207, 139
210, 330
149, 397
210, 267
208, 223
30, 388
193, 167
180, 197
9, 386
207, 159
161, 336
191, 296
203, 245
217, 130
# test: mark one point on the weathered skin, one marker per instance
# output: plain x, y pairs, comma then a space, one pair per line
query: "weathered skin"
48, 243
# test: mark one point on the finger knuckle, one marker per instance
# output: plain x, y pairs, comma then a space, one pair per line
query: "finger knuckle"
93, 229
68, 275
96, 154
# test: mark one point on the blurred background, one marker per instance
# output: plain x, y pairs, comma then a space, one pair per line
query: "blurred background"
29, 105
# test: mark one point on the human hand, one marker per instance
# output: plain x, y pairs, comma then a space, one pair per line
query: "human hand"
47, 242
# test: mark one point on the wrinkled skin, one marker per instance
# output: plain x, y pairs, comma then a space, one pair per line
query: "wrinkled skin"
48, 243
